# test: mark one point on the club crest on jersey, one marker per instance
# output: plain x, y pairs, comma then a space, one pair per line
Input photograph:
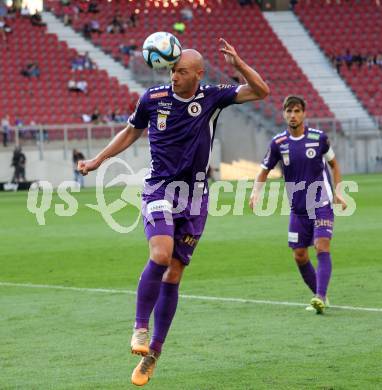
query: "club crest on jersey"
286, 159
194, 109
162, 122
310, 153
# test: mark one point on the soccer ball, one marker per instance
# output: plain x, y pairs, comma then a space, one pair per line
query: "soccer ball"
161, 50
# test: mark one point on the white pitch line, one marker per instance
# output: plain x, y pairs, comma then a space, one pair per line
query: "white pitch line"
185, 296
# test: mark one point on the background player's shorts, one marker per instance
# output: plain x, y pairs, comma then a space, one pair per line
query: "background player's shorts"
303, 231
186, 229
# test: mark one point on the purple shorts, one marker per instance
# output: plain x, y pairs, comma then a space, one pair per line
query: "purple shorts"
303, 231
186, 229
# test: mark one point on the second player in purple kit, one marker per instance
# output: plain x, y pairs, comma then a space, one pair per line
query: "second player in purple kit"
181, 120
305, 154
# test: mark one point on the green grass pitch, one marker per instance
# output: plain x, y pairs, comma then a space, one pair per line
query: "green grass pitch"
79, 339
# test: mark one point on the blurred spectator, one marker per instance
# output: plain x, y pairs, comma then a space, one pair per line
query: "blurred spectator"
3, 10
133, 19
245, 2
96, 116
78, 86
117, 24
78, 63
86, 30
6, 129
120, 117
93, 7
378, 60
370, 61
36, 20
88, 63
186, 13
95, 26
86, 118
78, 156
31, 70
82, 62
25, 12
4, 29
179, 27
19, 123
292, 4
18, 162
348, 59
128, 49
358, 59
116, 116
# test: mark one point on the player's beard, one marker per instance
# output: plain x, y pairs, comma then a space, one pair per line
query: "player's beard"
294, 126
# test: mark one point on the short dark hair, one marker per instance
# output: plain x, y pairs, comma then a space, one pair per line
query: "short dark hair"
293, 100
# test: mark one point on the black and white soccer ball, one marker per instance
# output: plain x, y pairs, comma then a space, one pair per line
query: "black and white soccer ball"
161, 50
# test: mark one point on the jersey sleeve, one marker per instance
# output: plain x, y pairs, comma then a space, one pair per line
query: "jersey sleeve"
225, 94
140, 117
272, 157
326, 148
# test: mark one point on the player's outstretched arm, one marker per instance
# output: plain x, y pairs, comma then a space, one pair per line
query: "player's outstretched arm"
257, 187
256, 88
335, 167
119, 143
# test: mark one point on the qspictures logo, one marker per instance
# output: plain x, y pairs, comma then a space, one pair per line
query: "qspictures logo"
276, 199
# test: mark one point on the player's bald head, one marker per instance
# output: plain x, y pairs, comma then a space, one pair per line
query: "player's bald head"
191, 58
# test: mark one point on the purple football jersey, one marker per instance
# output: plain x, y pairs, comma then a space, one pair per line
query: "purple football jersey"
304, 166
181, 132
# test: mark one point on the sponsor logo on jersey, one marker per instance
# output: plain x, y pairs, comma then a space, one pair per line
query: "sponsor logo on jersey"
159, 205
194, 109
312, 144
313, 136
310, 153
190, 240
292, 237
164, 112
162, 122
165, 104
225, 86
285, 155
278, 141
323, 222
158, 95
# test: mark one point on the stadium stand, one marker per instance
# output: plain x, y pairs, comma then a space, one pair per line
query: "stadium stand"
349, 33
46, 99
251, 35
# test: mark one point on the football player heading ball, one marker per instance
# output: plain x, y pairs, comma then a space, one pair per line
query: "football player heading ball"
182, 120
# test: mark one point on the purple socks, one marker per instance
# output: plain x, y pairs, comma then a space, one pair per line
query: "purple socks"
324, 270
164, 312
152, 292
308, 273
148, 292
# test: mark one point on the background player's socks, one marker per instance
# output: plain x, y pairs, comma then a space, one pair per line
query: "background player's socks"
308, 273
324, 270
164, 312
148, 292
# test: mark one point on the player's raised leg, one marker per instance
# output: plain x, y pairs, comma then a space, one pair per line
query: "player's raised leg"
164, 313
161, 248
